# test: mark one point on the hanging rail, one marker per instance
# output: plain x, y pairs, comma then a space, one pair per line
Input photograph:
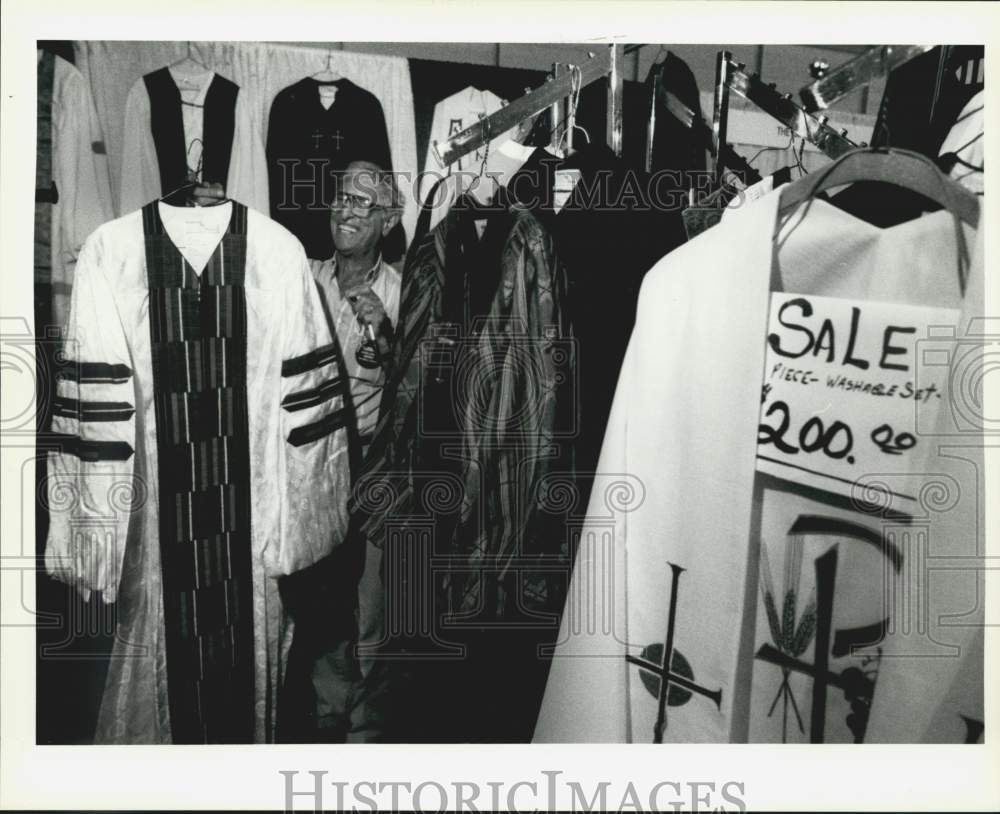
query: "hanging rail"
607, 64
782, 107
703, 134
856, 73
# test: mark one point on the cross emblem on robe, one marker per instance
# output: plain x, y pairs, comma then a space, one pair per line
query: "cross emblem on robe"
667, 671
318, 135
857, 685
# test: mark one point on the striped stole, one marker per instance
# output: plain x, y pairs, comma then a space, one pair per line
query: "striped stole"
198, 331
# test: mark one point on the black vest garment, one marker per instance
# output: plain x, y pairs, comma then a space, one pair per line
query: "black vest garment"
167, 126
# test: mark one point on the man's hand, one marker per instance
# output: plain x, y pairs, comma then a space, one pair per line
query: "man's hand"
370, 311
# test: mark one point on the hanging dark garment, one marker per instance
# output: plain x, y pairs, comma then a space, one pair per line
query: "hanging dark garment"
199, 352
921, 101
675, 146
615, 225
308, 144
460, 466
167, 127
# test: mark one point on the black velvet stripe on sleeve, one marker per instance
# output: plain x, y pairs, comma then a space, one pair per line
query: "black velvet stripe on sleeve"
91, 451
312, 397
94, 372
308, 433
92, 410
312, 360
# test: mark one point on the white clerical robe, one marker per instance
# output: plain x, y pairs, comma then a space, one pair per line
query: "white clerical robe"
200, 439
140, 174
80, 174
672, 537
451, 116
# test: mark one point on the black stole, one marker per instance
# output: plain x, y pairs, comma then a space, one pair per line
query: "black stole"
167, 126
198, 332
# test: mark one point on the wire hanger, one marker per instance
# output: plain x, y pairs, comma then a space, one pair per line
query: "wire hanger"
327, 74
188, 65
175, 197
574, 103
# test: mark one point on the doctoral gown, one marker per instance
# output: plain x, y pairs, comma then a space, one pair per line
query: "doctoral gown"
201, 455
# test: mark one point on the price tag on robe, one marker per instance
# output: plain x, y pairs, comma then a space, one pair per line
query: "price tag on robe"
844, 381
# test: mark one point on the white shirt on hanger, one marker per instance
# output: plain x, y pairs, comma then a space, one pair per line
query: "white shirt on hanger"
193, 89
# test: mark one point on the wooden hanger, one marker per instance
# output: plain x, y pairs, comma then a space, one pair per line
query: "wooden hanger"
903, 168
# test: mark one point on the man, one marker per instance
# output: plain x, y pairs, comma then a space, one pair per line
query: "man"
361, 295
360, 290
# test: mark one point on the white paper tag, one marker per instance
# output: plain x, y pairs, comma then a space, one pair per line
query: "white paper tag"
845, 393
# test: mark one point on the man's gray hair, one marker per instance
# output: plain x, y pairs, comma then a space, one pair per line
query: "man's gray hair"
379, 182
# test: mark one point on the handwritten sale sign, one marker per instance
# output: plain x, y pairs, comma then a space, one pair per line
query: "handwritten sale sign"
841, 392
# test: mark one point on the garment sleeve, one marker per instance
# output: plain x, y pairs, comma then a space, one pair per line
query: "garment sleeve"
314, 428
140, 176
80, 173
81, 169
247, 181
90, 486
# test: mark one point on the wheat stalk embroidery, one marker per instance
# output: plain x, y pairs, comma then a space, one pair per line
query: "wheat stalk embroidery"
789, 635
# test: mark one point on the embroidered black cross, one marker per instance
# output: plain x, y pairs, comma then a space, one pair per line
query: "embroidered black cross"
317, 137
857, 684
337, 138
667, 670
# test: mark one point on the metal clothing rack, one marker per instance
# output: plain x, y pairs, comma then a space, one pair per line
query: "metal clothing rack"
801, 124
834, 85
606, 65
706, 137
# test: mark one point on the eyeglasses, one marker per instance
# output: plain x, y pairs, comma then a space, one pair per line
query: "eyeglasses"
358, 204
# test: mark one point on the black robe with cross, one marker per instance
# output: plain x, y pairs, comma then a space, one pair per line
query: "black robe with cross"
307, 144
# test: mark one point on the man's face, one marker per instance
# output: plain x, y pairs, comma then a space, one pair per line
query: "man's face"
356, 232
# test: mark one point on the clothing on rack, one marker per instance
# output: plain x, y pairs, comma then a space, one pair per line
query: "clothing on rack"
451, 116
680, 564
477, 395
676, 146
309, 143
262, 70
181, 128
72, 192
963, 149
202, 454
616, 217
916, 113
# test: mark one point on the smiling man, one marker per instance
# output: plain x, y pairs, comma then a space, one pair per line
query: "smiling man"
360, 290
